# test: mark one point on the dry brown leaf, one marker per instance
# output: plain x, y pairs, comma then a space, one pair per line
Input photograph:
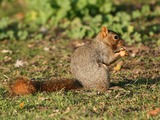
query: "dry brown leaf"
31, 45
46, 48
116, 88
21, 105
6, 51
77, 43
7, 59
68, 109
19, 63
154, 112
118, 66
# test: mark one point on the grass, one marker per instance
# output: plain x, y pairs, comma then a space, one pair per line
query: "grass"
136, 94
134, 88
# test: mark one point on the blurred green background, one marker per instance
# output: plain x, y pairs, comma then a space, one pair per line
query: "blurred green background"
137, 21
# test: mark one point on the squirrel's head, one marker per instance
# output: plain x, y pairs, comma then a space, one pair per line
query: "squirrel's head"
111, 38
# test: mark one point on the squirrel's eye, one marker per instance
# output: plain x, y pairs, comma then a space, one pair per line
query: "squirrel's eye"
116, 37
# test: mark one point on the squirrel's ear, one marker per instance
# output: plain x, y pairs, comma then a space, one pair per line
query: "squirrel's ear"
104, 32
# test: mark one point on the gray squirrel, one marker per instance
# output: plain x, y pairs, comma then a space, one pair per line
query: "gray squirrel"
89, 66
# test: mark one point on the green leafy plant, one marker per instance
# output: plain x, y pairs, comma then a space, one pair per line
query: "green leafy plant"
75, 19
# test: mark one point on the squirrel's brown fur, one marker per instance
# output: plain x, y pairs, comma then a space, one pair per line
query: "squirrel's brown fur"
89, 66
23, 85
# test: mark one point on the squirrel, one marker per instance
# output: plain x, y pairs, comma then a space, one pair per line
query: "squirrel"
89, 66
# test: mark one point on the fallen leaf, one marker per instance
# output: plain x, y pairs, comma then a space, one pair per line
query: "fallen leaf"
67, 110
31, 45
154, 112
118, 66
21, 105
6, 51
116, 88
19, 63
77, 43
46, 49
7, 59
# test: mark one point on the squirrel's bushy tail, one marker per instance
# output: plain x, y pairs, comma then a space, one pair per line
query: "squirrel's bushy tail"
23, 86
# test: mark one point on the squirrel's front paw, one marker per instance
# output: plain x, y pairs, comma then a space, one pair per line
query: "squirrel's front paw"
123, 52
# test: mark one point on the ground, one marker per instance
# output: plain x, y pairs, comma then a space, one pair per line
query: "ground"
134, 92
